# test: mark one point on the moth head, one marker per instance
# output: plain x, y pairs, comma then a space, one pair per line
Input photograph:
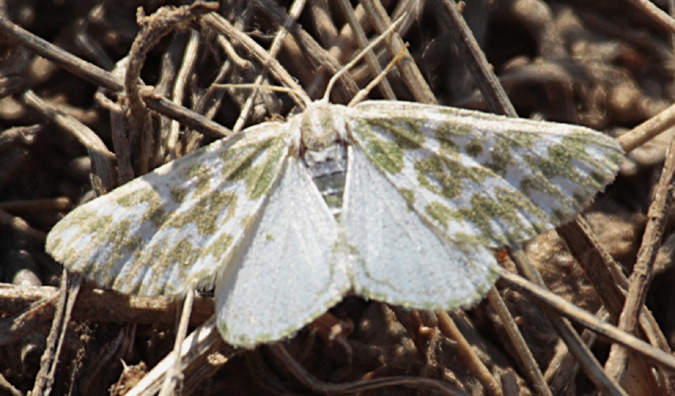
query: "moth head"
323, 125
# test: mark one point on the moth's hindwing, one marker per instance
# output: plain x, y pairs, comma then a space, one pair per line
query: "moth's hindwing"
291, 273
396, 257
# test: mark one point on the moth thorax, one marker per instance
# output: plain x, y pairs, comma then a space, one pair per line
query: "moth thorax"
322, 125
324, 151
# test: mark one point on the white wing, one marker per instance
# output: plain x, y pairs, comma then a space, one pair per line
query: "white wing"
174, 227
396, 257
292, 271
484, 179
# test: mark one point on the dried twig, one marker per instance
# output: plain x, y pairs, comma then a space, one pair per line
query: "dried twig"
481, 372
70, 286
362, 40
474, 58
524, 353
563, 327
410, 73
37, 205
294, 14
221, 25
105, 306
202, 352
588, 320
104, 79
102, 159
655, 14
174, 377
323, 387
648, 130
21, 225
642, 271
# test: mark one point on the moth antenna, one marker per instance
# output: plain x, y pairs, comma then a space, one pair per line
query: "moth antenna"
358, 57
365, 91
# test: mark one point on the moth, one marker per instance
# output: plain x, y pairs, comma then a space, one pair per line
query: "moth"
393, 201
